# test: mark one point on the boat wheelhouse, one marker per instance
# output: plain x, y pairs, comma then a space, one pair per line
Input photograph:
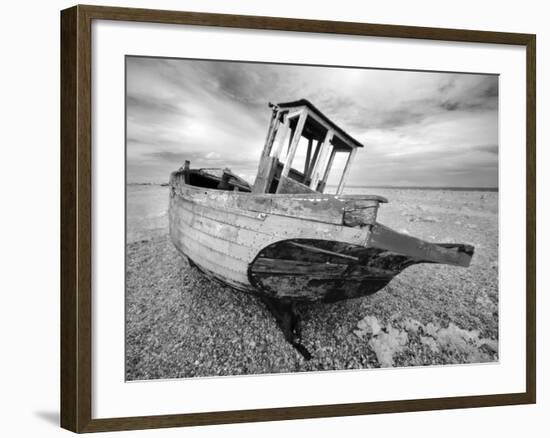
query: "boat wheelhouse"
300, 150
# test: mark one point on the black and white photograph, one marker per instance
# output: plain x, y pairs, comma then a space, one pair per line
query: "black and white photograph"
286, 218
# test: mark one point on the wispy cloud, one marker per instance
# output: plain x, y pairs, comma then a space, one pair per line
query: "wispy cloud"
418, 128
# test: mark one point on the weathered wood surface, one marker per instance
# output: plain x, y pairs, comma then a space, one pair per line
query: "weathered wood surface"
317, 270
308, 156
298, 267
323, 181
297, 132
295, 247
283, 133
307, 121
320, 271
271, 133
313, 163
308, 206
316, 176
186, 171
316, 249
360, 214
266, 171
450, 254
224, 239
291, 186
345, 174
305, 289
321, 119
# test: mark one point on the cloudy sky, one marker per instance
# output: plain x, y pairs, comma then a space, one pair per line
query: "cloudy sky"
419, 129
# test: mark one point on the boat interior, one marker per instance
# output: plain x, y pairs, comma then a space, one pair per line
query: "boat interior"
220, 179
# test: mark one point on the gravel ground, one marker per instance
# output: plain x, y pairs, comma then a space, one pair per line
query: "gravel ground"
181, 324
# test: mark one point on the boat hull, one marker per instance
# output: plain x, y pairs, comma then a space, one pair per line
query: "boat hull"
295, 247
223, 241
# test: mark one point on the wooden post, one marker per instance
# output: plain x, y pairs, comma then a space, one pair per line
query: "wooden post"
313, 160
327, 171
186, 168
264, 175
290, 137
346, 171
262, 181
282, 136
271, 132
322, 158
294, 143
308, 157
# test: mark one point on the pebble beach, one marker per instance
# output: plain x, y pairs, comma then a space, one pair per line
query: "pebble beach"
180, 324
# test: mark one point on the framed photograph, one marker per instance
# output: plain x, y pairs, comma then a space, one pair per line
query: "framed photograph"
269, 218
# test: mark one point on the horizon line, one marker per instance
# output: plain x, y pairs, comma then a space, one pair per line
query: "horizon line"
417, 187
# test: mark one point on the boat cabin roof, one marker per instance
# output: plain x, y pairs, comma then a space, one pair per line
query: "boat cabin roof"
317, 127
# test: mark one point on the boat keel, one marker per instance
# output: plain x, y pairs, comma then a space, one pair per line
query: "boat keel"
288, 320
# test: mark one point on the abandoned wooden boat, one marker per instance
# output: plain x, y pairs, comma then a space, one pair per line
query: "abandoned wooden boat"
283, 238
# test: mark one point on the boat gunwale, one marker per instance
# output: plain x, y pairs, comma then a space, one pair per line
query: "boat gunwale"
293, 196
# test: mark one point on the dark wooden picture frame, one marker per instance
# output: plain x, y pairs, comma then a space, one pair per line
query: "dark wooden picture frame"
76, 218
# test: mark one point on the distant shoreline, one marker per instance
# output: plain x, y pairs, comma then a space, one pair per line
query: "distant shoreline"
164, 184
453, 189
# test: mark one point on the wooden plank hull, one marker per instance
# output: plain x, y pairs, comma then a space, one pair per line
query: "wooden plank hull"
223, 240
303, 247
310, 270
